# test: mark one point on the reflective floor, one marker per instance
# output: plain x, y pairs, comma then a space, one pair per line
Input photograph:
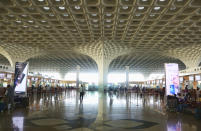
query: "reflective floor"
64, 111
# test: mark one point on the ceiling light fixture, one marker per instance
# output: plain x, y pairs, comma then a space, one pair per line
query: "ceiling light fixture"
95, 20
46, 8
61, 8
161, 0
51, 15
43, 21
18, 21
65, 15
141, 7
137, 15
24, 15
30, 21
125, 7
94, 14
108, 20
152, 15
40, 0
77, 7
157, 8
108, 14
121, 21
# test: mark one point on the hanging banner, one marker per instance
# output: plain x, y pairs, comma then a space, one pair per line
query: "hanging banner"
20, 79
172, 78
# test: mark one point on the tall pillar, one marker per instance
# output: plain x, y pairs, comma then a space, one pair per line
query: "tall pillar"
127, 77
103, 72
77, 76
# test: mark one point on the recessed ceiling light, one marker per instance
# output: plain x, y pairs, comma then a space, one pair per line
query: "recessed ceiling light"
24, 15
61, 8
25, 26
173, 8
141, 8
121, 21
11, 15
40, 0
65, 15
57, 0
43, 21
51, 15
36, 26
152, 15
108, 20
137, 15
157, 8
108, 14
161, 0
144, 0
179, 0
46, 8
30, 21
77, 7
125, 7
94, 14
18, 21
95, 20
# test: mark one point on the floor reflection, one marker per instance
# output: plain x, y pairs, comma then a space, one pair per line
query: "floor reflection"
121, 111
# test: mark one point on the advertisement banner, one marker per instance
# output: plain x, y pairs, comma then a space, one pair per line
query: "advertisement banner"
172, 78
20, 79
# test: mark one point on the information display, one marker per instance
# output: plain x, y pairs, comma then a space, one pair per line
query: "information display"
172, 78
197, 78
191, 78
20, 79
181, 79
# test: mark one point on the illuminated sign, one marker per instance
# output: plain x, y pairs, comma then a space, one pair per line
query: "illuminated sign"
20, 79
172, 78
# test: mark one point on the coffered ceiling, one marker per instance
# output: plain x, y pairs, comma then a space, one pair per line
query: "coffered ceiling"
62, 34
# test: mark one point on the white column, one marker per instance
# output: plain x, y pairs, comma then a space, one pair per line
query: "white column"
103, 71
127, 77
77, 76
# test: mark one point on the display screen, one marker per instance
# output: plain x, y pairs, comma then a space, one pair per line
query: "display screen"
172, 78
181, 79
9, 76
191, 78
20, 80
197, 78
2, 75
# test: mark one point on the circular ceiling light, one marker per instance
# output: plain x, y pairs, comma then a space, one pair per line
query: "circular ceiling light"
18, 21
65, 15
94, 14
108, 14
77, 7
141, 7
152, 15
161, 0
24, 15
30, 21
121, 21
95, 20
43, 21
108, 21
61, 8
46, 8
125, 7
137, 15
157, 8
51, 15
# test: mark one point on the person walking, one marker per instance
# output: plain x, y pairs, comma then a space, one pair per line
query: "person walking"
82, 91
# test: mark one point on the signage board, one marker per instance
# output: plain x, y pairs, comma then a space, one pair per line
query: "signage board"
172, 78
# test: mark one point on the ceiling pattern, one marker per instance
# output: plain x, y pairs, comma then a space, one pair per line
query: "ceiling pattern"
60, 33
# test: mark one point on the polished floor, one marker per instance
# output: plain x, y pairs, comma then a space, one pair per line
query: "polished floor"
101, 112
